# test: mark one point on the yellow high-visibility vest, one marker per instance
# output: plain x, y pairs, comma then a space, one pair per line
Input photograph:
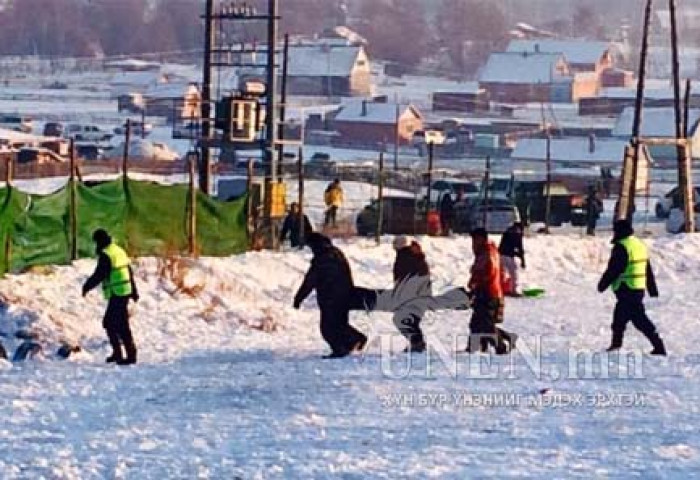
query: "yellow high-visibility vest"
118, 283
635, 274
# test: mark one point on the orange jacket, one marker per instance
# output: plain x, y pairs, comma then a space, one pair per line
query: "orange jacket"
486, 273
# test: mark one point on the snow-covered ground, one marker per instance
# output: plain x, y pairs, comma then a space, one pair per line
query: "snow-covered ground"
230, 383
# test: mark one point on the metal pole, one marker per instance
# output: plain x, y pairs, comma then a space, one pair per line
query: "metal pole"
487, 181
688, 166
639, 102
283, 105
209, 40
380, 199
300, 200
548, 187
397, 137
270, 117
428, 202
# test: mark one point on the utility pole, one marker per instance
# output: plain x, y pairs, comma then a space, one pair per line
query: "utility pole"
271, 117
627, 211
548, 187
283, 106
397, 136
431, 155
682, 155
487, 187
209, 40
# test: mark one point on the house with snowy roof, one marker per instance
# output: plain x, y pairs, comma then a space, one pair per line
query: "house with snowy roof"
573, 152
526, 77
329, 68
581, 55
660, 123
373, 124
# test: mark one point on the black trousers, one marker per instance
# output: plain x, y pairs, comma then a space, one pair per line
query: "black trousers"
116, 323
483, 331
337, 331
630, 308
331, 215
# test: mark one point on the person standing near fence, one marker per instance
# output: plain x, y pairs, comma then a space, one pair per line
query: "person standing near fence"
291, 227
114, 272
333, 198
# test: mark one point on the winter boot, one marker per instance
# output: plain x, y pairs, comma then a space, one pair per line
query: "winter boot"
658, 344
615, 342
113, 358
416, 347
333, 355
129, 360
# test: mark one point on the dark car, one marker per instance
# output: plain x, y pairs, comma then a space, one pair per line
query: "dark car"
531, 199
53, 129
89, 152
400, 215
496, 215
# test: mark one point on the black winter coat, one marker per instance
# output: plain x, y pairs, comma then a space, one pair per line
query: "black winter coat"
331, 277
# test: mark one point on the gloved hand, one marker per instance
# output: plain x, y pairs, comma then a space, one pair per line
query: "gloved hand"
297, 303
85, 291
522, 264
135, 296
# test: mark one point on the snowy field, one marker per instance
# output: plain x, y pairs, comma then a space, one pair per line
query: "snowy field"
230, 382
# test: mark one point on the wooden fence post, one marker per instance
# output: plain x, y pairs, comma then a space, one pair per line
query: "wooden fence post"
73, 216
300, 173
192, 218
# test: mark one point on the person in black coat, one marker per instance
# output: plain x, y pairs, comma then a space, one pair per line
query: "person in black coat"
330, 275
630, 302
447, 213
291, 225
594, 207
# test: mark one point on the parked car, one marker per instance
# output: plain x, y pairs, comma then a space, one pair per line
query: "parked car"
17, 123
145, 150
87, 133
531, 200
671, 200
137, 129
38, 155
452, 187
499, 187
89, 151
400, 215
53, 129
676, 220
495, 216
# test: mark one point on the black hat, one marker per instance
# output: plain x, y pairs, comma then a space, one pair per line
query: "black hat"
622, 229
317, 242
101, 237
479, 233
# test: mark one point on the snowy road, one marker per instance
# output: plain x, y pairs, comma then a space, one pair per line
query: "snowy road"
231, 384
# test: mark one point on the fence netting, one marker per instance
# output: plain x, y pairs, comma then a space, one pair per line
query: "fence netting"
147, 218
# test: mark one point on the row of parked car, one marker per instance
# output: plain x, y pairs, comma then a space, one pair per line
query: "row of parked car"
77, 131
509, 200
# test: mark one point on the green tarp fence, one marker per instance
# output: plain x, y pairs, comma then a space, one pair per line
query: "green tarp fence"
149, 219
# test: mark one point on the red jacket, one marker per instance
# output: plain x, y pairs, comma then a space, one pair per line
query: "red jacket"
486, 273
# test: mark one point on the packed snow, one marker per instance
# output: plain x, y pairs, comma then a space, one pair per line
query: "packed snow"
230, 382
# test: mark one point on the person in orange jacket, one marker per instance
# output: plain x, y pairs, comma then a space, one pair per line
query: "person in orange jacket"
488, 303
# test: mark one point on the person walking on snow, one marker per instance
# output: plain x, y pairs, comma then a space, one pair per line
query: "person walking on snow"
510, 248
410, 266
291, 225
629, 273
447, 213
488, 303
330, 275
114, 272
333, 198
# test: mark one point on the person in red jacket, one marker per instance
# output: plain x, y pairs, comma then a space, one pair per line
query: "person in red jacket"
488, 303
412, 278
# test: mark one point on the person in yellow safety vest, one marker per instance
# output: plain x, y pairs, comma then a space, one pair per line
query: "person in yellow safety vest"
114, 272
629, 273
333, 198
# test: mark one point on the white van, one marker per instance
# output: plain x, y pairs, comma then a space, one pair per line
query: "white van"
87, 133
17, 123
